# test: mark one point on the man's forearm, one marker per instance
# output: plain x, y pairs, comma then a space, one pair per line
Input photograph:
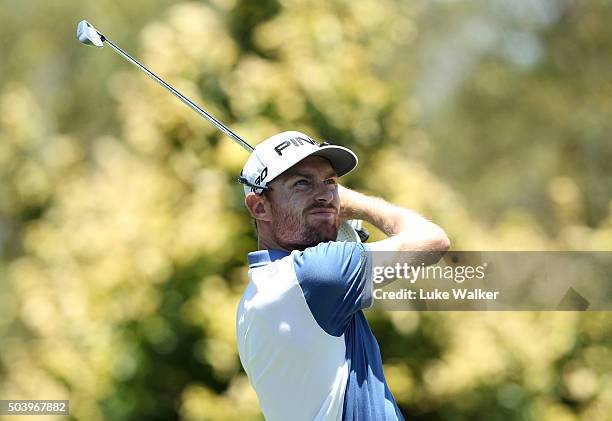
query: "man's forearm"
380, 213
393, 220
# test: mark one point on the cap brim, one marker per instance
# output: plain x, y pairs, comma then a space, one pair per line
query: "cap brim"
342, 159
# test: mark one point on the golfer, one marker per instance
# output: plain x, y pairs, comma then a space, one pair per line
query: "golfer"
303, 339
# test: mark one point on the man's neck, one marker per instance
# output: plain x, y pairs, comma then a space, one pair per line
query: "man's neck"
265, 242
267, 246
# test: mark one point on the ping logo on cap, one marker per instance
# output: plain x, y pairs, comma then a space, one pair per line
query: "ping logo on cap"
295, 141
260, 178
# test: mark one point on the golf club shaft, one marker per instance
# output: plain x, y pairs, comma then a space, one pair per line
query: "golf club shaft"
88, 35
180, 96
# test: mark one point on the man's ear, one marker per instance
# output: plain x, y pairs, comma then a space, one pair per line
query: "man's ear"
258, 206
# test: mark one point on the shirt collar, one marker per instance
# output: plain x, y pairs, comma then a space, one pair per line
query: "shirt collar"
263, 257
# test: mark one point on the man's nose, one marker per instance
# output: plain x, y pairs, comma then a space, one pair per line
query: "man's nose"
325, 193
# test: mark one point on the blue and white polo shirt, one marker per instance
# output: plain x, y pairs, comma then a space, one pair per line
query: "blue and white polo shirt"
303, 339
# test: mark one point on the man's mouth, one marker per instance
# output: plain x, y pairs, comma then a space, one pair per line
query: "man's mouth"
323, 211
326, 215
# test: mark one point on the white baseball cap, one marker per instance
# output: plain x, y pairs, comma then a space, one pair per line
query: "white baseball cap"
277, 154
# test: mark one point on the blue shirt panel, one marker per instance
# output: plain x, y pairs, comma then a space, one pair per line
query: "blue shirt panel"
367, 396
335, 278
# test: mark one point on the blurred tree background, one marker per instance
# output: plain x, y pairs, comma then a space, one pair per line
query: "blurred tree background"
123, 234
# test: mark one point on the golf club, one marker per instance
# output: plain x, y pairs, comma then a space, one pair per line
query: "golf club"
88, 35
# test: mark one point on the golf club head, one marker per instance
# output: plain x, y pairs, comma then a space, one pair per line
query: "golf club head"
88, 35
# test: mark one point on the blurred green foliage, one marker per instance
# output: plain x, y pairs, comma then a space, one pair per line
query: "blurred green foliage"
123, 235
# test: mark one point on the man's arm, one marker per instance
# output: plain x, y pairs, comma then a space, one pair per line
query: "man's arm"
406, 229
335, 277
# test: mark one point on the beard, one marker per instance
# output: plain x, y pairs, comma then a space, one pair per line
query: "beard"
294, 232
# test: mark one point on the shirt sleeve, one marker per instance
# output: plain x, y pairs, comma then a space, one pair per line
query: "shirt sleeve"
336, 281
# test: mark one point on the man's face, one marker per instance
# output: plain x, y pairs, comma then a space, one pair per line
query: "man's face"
305, 204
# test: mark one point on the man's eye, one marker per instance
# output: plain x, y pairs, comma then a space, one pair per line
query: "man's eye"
330, 181
302, 182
